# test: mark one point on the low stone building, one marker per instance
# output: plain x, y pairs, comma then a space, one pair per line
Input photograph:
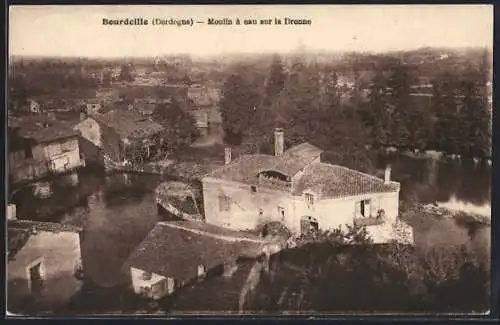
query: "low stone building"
119, 136
295, 188
44, 267
49, 146
178, 253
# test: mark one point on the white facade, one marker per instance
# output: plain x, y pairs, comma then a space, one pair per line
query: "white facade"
242, 207
151, 285
55, 256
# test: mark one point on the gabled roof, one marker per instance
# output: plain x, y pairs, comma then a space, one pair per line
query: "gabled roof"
16, 239
175, 249
19, 231
43, 226
199, 297
245, 169
129, 124
296, 158
337, 181
42, 129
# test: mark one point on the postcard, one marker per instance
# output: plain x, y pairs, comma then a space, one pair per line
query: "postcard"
175, 160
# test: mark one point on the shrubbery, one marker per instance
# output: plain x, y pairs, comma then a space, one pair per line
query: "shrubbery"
327, 273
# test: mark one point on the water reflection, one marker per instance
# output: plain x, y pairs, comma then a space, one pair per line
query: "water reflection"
454, 184
116, 211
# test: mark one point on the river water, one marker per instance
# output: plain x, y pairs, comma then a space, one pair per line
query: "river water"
117, 211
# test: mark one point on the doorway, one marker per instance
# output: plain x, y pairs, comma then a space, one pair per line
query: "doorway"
35, 278
309, 225
281, 213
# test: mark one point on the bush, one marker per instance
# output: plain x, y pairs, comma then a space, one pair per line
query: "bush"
326, 272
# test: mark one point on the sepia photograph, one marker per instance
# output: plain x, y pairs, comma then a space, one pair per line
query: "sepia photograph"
274, 160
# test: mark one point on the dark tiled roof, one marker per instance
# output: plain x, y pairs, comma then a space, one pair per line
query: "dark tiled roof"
129, 124
32, 127
200, 297
19, 231
16, 239
174, 188
336, 181
296, 158
43, 226
175, 249
244, 169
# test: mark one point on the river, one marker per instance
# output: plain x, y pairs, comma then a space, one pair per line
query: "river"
117, 211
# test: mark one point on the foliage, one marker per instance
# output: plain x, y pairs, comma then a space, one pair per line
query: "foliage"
328, 273
238, 106
180, 126
126, 73
455, 120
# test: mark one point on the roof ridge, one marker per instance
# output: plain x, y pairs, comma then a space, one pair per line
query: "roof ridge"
33, 223
354, 170
209, 234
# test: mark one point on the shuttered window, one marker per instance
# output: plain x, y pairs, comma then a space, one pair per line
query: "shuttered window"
309, 200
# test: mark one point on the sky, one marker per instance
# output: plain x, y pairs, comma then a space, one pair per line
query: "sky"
44, 30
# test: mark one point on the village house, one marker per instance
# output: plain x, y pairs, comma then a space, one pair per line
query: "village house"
205, 109
44, 266
118, 137
178, 253
295, 188
93, 106
43, 145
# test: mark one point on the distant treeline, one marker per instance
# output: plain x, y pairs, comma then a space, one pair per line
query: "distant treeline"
306, 99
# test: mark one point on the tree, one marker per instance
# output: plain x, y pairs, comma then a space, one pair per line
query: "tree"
475, 124
238, 105
446, 112
180, 126
275, 81
376, 113
126, 73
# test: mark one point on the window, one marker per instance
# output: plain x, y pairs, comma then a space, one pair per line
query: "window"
309, 200
363, 208
224, 204
253, 189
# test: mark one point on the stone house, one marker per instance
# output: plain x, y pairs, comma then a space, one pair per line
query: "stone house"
178, 253
119, 136
205, 102
295, 188
48, 146
44, 266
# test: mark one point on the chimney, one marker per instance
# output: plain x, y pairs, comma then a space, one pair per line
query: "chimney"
11, 212
387, 175
279, 142
227, 156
